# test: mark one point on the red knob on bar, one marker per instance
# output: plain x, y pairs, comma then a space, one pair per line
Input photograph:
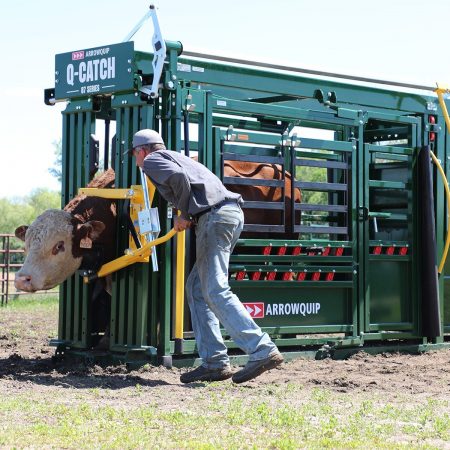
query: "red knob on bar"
271, 276
377, 250
301, 276
432, 134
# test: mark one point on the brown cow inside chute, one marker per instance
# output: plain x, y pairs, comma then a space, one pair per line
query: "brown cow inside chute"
263, 171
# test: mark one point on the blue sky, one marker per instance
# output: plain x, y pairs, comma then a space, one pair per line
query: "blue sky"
401, 40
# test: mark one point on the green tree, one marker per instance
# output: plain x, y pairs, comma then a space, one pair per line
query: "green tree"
56, 170
23, 210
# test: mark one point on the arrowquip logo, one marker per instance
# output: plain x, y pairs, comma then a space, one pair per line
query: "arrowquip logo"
256, 310
77, 55
259, 310
294, 309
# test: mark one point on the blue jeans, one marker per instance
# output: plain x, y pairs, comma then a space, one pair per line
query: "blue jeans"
210, 298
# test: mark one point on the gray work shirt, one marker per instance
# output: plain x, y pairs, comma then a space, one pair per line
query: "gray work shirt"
185, 183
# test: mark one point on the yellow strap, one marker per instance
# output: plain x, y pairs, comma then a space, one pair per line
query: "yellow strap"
447, 195
440, 91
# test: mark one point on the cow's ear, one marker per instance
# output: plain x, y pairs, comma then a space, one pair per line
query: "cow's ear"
92, 229
96, 230
20, 232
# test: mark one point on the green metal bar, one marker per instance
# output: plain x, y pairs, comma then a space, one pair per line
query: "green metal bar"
291, 259
388, 184
309, 329
230, 106
391, 326
318, 144
72, 157
298, 86
86, 319
131, 307
398, 258
290, 268
293, 243
363, 235
242, 137
391, 150
316, 155
297, 284
441, 213
81, 151
163, 298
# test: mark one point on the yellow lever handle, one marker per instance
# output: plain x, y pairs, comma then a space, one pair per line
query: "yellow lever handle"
138, 255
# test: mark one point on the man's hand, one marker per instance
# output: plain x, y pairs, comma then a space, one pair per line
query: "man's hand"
181, 224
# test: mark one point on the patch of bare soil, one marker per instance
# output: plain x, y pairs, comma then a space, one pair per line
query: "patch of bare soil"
26, 366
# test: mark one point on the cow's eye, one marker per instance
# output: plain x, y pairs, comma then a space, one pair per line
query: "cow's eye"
59, 247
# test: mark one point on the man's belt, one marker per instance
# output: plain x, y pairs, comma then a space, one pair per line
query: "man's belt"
216, 206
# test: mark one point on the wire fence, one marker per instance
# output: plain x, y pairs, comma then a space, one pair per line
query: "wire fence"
12, 257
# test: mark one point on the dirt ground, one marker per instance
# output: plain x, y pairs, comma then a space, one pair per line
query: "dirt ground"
26, 366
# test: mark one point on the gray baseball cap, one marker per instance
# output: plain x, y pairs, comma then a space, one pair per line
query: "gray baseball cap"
144, 137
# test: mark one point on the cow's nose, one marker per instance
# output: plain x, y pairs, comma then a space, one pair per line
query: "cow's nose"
23, 282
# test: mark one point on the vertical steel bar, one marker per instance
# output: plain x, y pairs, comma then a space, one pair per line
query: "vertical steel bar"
164, 302
106, 145
353, 211
2, 263
7, 262
117, 277
362, 165
64, 290
71, 182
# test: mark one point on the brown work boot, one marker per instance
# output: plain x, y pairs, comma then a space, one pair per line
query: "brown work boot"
255, 368
202, 373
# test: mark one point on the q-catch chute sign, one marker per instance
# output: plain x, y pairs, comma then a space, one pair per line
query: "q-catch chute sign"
94, 71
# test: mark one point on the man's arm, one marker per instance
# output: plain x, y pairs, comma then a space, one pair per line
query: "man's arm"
171, 180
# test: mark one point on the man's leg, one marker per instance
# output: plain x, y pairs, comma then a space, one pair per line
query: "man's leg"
205, 324
213, 352
220, 230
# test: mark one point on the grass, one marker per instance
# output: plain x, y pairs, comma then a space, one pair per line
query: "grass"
317, 424
37, 414
42, 302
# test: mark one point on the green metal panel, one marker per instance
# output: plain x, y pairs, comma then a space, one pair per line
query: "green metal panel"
369, 297
296, 306
390, 293
78, 124
390, 287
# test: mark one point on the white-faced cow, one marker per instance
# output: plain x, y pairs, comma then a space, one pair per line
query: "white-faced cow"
58, 241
